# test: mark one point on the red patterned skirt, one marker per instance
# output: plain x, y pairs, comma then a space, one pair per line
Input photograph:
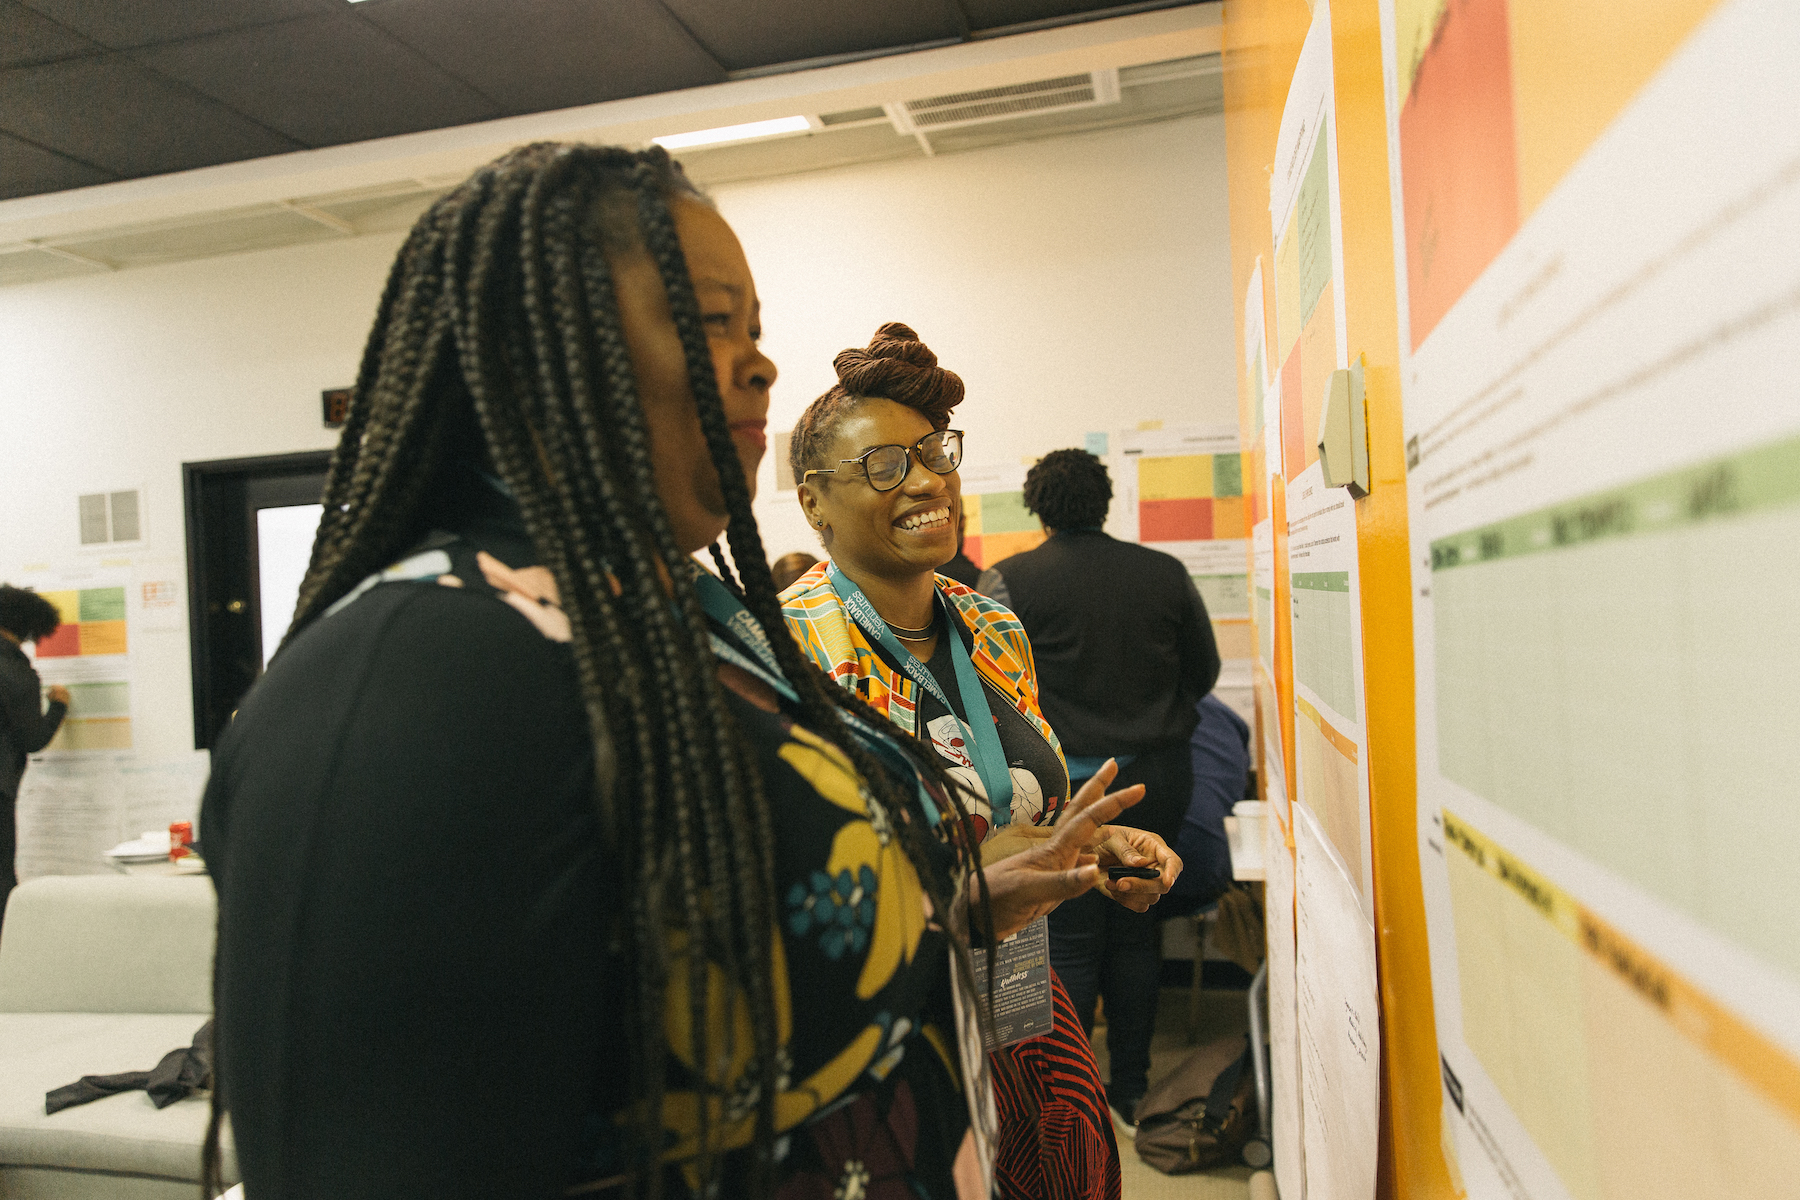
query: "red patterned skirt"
1056, 1134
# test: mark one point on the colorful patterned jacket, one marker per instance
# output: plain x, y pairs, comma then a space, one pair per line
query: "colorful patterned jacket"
827, 635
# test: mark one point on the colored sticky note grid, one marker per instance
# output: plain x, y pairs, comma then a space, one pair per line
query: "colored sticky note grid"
1177, 477
1005, 512
67, 605
990, 548
105, 733
1175, 520
102, 637
1227, 475
93, 622
1228, 517
102, 604
94, 701
64, 643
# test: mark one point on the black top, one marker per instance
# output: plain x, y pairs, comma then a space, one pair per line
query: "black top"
961, 569
1040, 785
25, 728
1123, 644
417, 996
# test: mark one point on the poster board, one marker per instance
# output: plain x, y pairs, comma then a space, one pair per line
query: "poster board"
95, 785
1603, 639
1568, 262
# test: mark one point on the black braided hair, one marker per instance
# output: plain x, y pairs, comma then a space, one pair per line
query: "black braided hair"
498, 329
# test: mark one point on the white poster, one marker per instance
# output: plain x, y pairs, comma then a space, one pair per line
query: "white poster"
1325, 611
1284, 1028
1603, 444
1339, 1020
90, 653
73, 808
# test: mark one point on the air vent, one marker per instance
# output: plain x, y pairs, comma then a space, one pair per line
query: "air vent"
109, 517
1004, 103
851, 116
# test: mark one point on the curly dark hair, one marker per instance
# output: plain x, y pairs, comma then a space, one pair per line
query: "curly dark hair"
895, 366
27, 615
499, 330
1069, 489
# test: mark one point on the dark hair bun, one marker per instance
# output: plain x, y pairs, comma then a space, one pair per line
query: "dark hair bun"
897, 366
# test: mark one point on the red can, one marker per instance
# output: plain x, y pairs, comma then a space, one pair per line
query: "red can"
181, 840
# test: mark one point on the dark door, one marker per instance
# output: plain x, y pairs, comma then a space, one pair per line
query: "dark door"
249, 532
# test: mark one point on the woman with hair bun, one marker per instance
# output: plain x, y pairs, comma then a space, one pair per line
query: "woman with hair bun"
876, 462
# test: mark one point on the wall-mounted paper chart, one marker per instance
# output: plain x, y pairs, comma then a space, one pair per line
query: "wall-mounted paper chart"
93, 623
996, 522
90, 655
1181, 490
1604, 489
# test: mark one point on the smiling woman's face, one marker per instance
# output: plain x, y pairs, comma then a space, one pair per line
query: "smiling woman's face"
686, 480
895, 535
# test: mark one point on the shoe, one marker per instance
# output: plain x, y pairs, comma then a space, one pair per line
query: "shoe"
1124, 1107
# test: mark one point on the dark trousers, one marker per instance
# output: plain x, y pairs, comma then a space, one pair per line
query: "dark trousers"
9, 845
1101, 948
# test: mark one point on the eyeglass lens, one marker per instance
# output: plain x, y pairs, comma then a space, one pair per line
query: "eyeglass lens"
941, 452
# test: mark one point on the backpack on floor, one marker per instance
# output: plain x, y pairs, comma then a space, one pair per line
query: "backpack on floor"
1201, 1113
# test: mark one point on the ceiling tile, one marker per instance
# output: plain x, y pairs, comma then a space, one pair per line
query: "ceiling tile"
323, 81
111, 112
27, 170
538, 55
143, 22
27, 37
759, 35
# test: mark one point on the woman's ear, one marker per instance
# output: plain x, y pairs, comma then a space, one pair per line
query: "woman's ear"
809, 504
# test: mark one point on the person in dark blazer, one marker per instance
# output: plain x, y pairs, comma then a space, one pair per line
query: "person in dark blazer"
25, 725
1125, 651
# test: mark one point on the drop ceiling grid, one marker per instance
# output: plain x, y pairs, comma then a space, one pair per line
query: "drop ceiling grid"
94, 91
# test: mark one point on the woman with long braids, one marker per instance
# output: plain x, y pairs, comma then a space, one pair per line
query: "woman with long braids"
542, 869
877, 464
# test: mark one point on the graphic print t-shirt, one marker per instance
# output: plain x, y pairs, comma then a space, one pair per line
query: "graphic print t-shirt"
1040, 785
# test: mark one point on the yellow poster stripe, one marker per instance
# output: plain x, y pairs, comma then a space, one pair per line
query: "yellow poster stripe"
1694, 1014
1343, 745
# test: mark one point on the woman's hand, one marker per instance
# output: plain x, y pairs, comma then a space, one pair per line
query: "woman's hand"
1123, 846
1050, 869
1010, 839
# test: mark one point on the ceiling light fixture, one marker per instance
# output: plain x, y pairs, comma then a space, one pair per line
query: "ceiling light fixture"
749, 131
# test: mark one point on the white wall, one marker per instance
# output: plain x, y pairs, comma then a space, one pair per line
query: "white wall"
1076, 284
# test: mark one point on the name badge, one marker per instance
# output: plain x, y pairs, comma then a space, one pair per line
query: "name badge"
1023, 1005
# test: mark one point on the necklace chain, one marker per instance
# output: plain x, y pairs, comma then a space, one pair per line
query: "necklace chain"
907, 634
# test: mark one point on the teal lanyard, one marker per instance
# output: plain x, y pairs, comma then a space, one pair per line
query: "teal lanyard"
727, 611
983, 735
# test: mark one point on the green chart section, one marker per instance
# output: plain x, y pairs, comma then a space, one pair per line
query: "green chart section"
1616, 671
1265, 628
1324, 643
1224, 595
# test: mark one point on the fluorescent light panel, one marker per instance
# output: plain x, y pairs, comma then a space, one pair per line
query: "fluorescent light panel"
734, 133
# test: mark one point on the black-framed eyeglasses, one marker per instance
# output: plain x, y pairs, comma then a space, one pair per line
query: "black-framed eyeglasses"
885, 467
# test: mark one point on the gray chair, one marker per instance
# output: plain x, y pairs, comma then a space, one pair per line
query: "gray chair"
101, 974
